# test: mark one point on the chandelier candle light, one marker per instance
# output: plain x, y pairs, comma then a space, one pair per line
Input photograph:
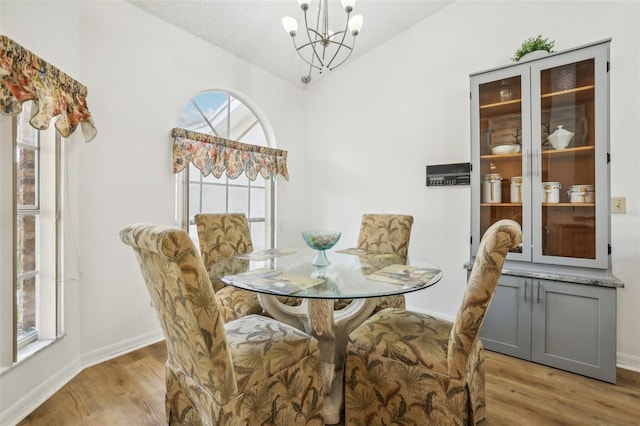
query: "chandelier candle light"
321, 51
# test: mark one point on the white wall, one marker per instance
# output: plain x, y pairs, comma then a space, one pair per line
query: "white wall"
406, 105
403, 106
140, 73
62, 359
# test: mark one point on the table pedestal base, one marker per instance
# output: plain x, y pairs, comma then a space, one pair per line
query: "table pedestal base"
333, 399
331, 328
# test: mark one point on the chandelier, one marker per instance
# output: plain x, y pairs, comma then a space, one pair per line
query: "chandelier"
325, 49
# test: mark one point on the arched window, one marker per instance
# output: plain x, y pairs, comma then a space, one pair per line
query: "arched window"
223, 114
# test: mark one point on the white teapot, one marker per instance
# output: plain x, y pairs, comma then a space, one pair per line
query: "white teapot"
560, 138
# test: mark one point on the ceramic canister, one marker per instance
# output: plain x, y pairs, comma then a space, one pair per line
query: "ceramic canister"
516, 189
551, 192
582, 193
491, 190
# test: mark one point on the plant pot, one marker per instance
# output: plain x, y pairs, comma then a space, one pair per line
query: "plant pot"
533, 55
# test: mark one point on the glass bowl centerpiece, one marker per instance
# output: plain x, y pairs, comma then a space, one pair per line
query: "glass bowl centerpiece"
321, 241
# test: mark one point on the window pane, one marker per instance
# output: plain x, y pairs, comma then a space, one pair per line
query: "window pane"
257, 202
258, 235
27, 243
255, 136
27, 175
202, 110
213, 199
26, 306
210, 102
194, 199
242, 120
241, 180
238, 200
193, 233
218, 119
26, 134
210, 178
260, 182
194, 174
221, 128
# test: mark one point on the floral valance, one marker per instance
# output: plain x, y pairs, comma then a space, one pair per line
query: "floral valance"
214, 155
24, 77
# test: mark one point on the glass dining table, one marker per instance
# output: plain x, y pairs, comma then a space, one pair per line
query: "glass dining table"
360, 275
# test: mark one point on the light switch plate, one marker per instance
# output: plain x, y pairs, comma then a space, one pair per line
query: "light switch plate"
618, 205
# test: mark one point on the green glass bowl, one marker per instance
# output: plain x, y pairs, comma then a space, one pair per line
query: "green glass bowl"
321, 240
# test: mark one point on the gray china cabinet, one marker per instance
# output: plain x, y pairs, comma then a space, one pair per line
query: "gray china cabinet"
540, 156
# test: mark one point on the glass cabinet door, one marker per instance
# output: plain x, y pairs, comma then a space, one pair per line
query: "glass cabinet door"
564, 161
540, 156
501, 140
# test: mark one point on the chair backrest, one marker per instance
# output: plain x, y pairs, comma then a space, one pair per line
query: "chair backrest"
494, 246
387, 233
222, 235
186, 306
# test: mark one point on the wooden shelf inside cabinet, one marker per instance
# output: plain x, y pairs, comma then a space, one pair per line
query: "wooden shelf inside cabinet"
569, 151
501, 156
500, 108
554, 152
578, 95
568, 204
501, 204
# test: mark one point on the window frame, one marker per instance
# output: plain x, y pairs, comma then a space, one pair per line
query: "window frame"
184, 217
48, 293
24, 210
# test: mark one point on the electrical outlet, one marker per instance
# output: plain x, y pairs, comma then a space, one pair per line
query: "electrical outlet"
618, 205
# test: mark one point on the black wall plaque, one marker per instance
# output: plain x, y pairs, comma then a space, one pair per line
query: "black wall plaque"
449, 174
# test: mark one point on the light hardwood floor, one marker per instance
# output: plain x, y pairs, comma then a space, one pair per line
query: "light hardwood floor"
129, 390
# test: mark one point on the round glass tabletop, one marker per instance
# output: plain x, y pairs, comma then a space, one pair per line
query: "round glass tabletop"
351, 274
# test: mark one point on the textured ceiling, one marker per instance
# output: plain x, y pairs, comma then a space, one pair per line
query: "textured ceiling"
252, 29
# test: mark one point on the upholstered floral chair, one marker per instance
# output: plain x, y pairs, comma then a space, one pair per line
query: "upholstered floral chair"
223, 235
250, 371
385, 233
409, 368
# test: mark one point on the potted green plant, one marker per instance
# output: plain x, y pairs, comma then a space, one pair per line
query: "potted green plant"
543, 46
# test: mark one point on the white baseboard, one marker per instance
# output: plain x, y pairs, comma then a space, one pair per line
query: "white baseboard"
628, 362
22, 408
120, 348
440, 315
